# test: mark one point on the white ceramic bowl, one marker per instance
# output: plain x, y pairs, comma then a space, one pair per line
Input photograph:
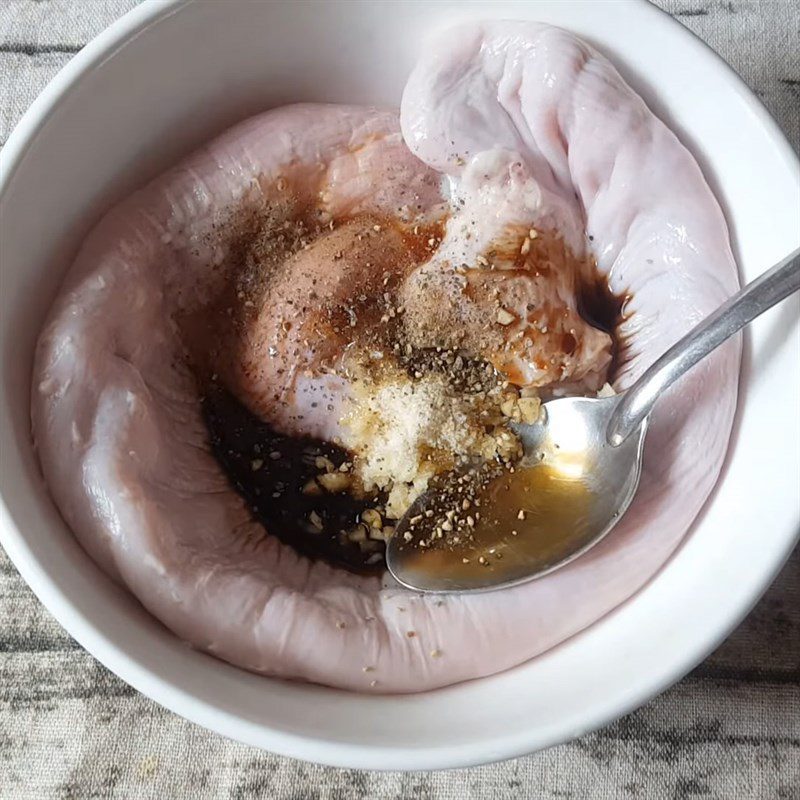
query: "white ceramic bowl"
171, 74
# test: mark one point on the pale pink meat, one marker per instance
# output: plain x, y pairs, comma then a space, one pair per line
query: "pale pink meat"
117, 421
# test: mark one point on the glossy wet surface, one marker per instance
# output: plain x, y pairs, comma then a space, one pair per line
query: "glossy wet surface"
270, 471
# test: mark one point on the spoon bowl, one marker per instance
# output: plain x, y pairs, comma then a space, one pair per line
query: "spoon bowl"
569, 490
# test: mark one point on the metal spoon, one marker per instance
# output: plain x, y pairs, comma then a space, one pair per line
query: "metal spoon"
580, 470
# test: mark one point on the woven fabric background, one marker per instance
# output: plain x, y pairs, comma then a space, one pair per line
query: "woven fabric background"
730, 730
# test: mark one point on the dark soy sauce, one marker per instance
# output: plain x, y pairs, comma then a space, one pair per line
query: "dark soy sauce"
604, 310
269, 471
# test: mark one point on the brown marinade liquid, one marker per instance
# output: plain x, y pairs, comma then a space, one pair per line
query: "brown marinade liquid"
273, 489
604, 310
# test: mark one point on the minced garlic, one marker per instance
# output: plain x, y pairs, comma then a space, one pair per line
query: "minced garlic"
404, 430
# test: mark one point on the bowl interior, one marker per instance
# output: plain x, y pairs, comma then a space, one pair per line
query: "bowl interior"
142, 95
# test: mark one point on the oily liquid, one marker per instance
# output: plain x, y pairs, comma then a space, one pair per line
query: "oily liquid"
554, 505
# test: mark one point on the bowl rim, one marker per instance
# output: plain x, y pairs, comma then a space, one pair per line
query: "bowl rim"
260, 734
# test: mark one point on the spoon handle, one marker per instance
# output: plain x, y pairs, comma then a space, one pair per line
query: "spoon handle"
736, 312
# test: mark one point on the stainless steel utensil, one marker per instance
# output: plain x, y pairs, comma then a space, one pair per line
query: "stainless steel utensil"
580, 471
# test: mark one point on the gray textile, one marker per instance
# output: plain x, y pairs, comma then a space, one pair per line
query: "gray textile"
731, 729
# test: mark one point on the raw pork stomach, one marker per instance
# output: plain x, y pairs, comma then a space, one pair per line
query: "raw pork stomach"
530, 126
